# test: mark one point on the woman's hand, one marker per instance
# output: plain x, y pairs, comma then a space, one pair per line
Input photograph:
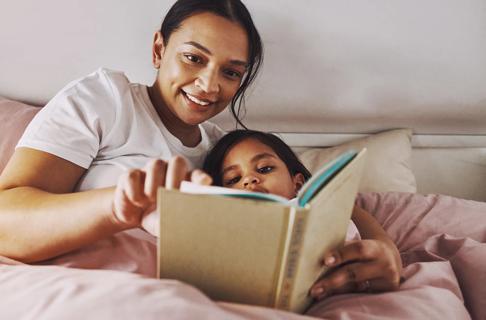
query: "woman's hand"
136, 192
360, 266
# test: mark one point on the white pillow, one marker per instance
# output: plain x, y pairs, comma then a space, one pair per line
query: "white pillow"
388, 162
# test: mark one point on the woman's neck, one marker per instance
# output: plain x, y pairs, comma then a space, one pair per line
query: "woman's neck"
189, 135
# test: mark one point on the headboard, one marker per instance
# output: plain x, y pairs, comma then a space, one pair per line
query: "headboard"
332, 68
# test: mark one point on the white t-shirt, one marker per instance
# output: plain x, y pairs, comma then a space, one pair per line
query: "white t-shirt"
106, 124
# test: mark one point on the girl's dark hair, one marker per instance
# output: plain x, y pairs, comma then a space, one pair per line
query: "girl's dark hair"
214, 160
233, 10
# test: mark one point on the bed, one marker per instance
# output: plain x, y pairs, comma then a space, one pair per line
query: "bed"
404, 78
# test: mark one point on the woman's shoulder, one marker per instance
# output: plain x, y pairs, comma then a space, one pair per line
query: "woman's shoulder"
91, 99
100, 91
102, 81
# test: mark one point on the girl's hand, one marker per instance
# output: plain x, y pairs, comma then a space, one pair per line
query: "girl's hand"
360, 266
136, 192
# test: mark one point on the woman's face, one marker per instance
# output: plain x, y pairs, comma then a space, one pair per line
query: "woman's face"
201, 67
254, 166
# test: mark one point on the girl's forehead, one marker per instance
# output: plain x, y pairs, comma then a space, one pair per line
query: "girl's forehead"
248, 148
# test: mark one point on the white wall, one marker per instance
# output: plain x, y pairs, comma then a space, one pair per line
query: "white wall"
330, 65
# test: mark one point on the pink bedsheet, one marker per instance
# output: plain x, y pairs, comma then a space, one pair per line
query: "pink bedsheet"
442, 241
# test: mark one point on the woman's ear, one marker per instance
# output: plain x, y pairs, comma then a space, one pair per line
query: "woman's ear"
299, 181
157, 49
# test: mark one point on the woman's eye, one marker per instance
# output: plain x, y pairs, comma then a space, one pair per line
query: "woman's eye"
233, 74
265, 169
231, 181
193, 58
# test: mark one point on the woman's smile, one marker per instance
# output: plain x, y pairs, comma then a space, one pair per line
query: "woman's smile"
197, 103
197, 100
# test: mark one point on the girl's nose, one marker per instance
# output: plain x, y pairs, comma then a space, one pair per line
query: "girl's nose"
250, 180
208, 81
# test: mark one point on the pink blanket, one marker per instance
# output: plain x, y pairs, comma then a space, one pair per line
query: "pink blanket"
441, 239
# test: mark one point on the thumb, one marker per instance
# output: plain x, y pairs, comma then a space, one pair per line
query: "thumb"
200, 177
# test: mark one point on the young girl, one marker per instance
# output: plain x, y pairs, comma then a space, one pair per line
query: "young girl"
258, 161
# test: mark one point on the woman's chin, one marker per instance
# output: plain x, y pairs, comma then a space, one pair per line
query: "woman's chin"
194, 119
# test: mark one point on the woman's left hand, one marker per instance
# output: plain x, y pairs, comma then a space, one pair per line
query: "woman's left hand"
360, 266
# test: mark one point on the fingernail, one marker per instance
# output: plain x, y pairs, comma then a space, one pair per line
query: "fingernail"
317, 291
330, 260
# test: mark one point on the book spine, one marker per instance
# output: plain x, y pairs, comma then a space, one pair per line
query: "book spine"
290, 261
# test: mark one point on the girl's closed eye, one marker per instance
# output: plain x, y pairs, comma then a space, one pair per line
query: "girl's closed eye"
231, 181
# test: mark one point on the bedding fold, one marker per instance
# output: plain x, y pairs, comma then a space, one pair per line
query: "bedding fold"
441, 240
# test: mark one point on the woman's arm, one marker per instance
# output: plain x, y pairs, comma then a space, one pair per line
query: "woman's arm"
40, 216
370, 264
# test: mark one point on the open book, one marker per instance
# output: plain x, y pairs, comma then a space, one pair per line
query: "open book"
236, 247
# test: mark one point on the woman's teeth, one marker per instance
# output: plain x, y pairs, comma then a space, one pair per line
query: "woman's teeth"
196, 100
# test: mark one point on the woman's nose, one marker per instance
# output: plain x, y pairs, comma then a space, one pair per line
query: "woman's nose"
250, 180
208, 81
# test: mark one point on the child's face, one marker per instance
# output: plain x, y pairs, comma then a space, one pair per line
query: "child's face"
254, 166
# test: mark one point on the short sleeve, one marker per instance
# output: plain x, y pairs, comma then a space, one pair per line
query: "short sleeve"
72, 124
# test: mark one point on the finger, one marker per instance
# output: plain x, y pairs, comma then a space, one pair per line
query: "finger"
372, 251
347, 276
386, 275
336, 279
176, 171
361, 250
364, 286
201, 177
134, 187
368, 286
378, 285
350, 287
155, 177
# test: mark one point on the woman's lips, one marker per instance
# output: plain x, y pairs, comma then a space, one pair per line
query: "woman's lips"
193, 106
198, 100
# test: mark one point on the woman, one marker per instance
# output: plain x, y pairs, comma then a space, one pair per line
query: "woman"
58, 191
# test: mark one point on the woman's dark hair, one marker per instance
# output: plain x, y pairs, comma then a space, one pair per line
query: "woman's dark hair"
233, 10
214, 159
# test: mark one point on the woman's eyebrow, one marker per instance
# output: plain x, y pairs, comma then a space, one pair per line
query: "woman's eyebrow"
206, 50
199, 46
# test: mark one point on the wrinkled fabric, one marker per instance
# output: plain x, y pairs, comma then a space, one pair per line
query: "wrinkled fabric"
441, 240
